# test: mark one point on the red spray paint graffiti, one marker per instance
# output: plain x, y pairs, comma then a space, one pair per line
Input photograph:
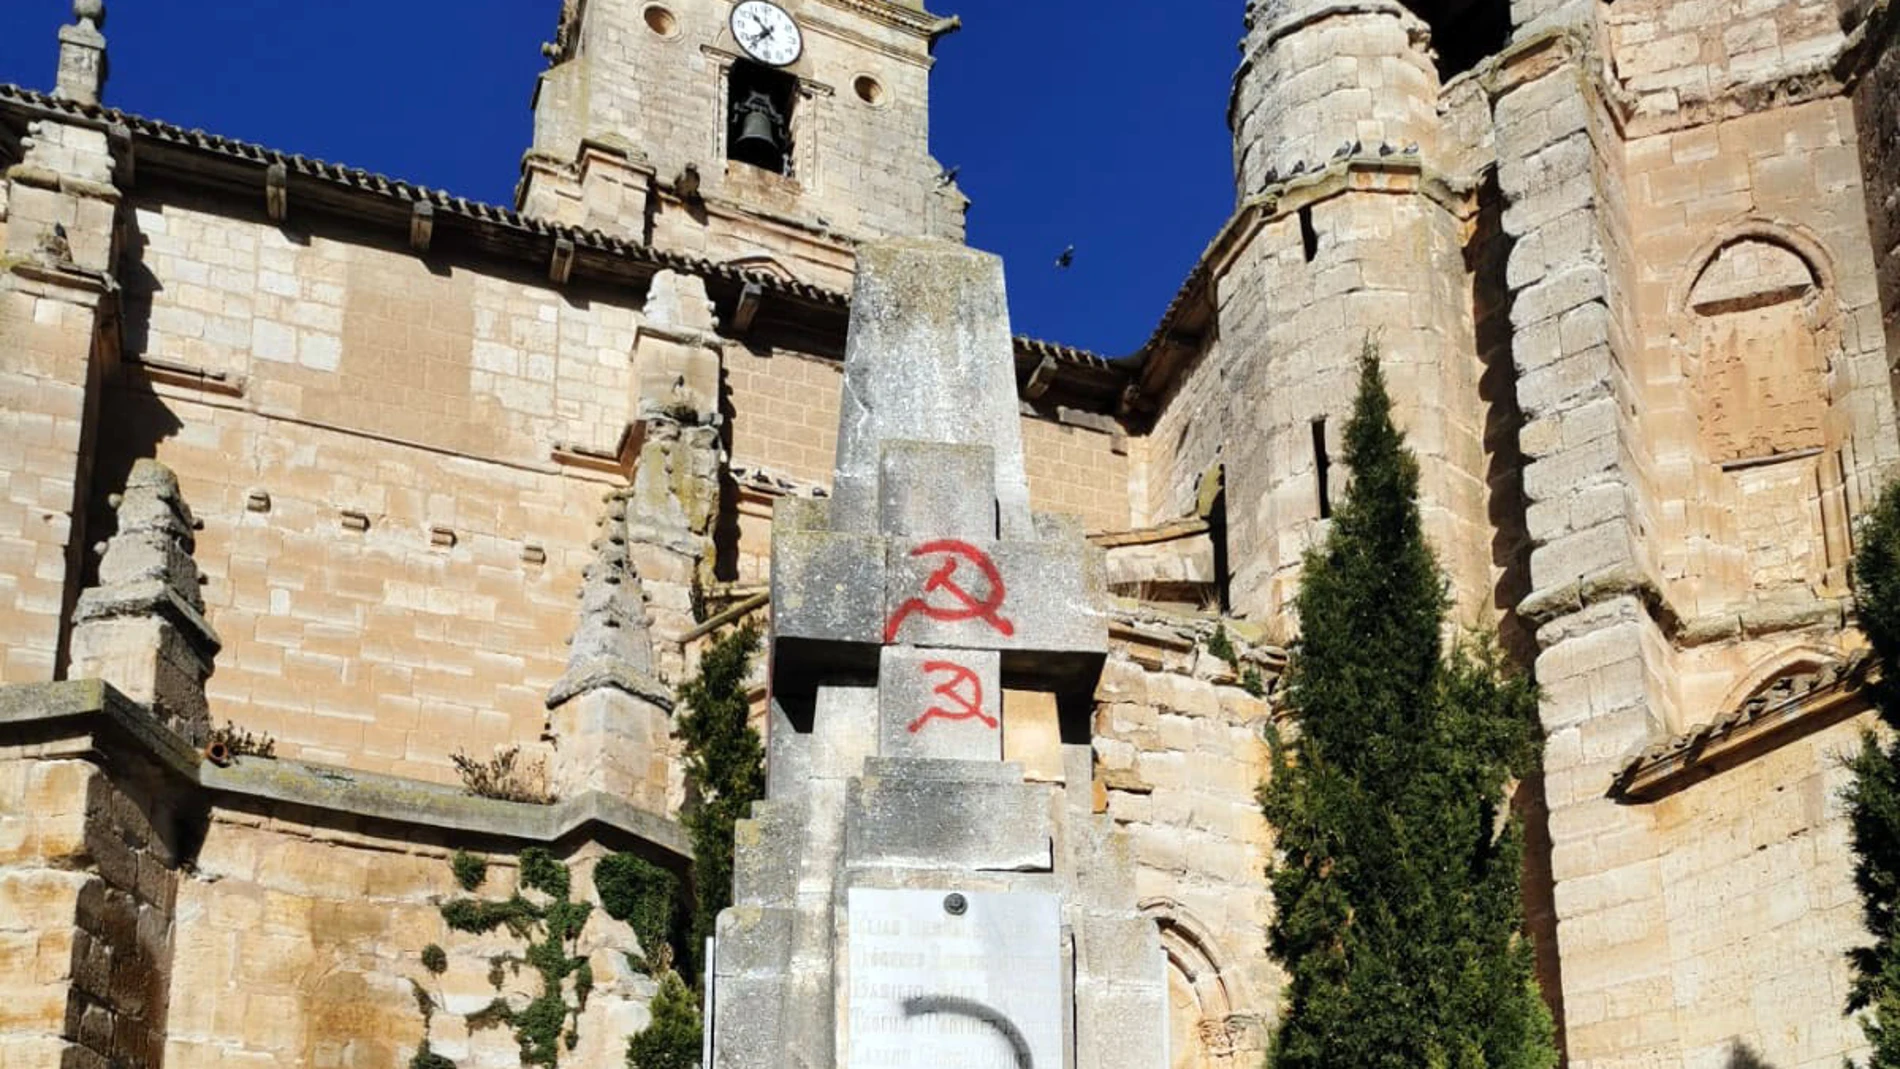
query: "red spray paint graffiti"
969, 701
968, 606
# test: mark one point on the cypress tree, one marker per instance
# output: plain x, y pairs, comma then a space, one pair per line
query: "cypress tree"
725, 768
1874, 795
1398, 908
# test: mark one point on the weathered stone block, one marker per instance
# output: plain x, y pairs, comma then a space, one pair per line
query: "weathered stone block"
845, 730
828, 606
932, 490
940, 704
909, 816
754, 940
939, 311
1039, 602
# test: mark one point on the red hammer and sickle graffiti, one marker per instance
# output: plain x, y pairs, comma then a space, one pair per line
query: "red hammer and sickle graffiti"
969, 607
969, 704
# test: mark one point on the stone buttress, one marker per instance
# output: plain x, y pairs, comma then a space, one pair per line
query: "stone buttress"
907, 895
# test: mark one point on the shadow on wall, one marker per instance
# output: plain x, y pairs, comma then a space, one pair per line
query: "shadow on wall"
1743, 1056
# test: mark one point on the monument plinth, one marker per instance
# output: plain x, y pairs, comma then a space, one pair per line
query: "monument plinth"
906, 896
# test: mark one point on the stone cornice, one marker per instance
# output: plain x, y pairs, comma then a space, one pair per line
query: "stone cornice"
903, 16
85, 707
1552, 604
1765, 722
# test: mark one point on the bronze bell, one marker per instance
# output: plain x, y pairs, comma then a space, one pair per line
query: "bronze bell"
759, 132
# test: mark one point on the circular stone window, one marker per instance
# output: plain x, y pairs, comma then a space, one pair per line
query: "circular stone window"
869, 90
662, 21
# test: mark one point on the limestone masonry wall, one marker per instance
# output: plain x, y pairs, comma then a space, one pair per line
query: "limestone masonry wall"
420, 402
42, 849
785, 421
1758, 341
88, 886
1877, 125
1671, 53
376, 648
1180, 759
43, 421
303, 945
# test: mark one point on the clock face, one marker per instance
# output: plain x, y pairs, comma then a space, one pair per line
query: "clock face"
767, 33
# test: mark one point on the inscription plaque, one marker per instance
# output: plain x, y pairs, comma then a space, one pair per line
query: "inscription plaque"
932, 988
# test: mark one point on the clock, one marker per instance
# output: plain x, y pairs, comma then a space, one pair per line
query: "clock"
767, 32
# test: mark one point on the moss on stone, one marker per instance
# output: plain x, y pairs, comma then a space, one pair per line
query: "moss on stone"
469, 869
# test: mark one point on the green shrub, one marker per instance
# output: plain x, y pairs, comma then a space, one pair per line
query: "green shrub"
674, 1038
645, 896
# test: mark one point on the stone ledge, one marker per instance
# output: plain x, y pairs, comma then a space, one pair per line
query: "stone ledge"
88, 703
1543, 607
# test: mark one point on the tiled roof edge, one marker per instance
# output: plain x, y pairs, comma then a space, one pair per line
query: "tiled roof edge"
494, 215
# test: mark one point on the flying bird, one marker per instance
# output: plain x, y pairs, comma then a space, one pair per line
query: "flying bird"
1067, 259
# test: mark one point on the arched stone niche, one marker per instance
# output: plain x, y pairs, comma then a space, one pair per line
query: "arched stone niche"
1207, 1018
1760, 335
1759, 321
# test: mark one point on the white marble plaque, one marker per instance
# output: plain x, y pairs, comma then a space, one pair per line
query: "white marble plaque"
934, 989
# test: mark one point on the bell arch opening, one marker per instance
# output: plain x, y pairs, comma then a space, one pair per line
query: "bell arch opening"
759, 103
1464, 32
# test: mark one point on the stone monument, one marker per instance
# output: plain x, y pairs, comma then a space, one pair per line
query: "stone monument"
928, 883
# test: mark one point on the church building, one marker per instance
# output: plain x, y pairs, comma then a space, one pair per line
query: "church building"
355, 535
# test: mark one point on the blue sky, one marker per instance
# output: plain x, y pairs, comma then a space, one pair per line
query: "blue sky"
1097, 123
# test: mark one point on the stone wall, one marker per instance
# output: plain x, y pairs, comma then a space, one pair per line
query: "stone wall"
42, 849
1765, 421
1688, 492
380, 448
1877, 122
1315, 75
785, 422
1716, 916
88, 886
1668, 54
341, 332
302, 944
1180, 759
43, 421
351, 634
1292, 329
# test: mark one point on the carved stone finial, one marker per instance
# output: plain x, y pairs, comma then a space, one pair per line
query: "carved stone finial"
82, 54
613, 646
143, 628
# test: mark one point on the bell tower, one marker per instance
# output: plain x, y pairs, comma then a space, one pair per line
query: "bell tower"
768, 132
